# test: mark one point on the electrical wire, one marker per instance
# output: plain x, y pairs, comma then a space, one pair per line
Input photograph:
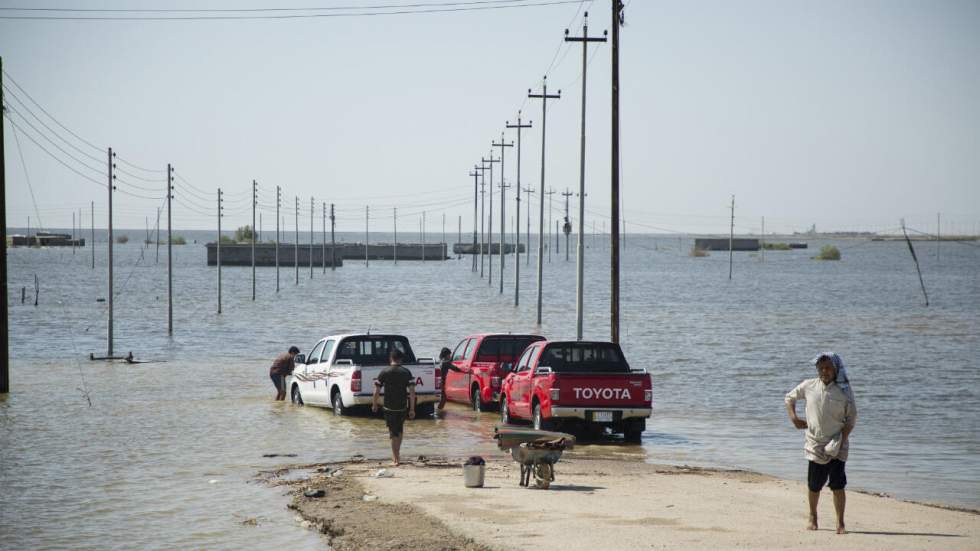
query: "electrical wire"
83, 140
9, 108
27, 177
53, 156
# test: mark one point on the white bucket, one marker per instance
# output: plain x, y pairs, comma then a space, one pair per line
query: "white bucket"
473, 475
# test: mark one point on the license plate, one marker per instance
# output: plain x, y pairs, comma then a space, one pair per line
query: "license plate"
602, 416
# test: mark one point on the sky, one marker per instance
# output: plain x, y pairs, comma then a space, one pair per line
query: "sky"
840, 114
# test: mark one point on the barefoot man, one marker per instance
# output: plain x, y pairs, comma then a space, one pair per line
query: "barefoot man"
830, 417
399, 386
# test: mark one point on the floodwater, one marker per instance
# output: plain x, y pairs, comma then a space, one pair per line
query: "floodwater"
165, 454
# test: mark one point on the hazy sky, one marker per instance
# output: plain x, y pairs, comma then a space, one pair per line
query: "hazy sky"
849, 115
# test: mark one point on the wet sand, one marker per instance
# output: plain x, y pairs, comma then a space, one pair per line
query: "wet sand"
606, 504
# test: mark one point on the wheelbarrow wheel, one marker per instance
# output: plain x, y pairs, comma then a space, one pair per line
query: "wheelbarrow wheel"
544, 473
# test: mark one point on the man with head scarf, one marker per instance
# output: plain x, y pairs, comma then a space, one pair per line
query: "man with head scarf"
830, 417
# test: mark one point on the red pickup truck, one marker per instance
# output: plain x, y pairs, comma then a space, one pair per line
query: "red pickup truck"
576, 382
481, 359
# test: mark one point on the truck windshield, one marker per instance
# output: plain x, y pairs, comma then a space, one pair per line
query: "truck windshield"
583, 357
504, 348
374, 350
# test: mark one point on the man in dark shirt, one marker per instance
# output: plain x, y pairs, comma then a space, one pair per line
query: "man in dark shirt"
399, 386
282, 366
445, 365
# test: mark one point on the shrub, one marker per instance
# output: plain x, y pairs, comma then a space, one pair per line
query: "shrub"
227, 240
696, 252
243, 233
179, 240
777, 246
122, 239
828, 252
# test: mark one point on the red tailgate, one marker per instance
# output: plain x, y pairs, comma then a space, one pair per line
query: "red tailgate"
603, 390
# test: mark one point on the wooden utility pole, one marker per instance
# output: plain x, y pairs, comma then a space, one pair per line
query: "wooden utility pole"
459, 234
503, 203
422, 234
483, 206
312, 216
367, 216
73, 231
567, 226
296, 244
218, 250
170, 255
731, 241
333, 244
278, 204
527, 257
112, 186
763, 240
158, 236
92, 206
394, 218
544, 97
938, 230
580, 257
549, 194
4, 325
617, 15
323, 240
255, 196
476, 194
517, 247
491, 160
443, 236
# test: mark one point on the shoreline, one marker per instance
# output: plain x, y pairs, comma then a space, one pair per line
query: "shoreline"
596, 503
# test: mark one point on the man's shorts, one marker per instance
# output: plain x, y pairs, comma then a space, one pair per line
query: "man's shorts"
395, 419
817, 475
277, 380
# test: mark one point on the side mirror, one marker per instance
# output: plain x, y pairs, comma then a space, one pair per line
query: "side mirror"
542, 370
300, 359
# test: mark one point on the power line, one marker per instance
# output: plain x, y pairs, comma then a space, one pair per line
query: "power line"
83, 140
28, 178
33, 114
48, 139
53, 156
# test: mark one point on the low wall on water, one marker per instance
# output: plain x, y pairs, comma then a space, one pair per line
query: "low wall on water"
265, 253
721, 244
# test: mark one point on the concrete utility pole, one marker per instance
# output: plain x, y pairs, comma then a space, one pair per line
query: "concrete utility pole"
617, 21
443, 235
422, 234
333, 243
549, 194
476, 193
763, 244
170, 257
483, 204
158, 236
527, 257
503, 217
260, 227
491, 160
580, 272
312, 214
73, 232
394, 218
278, 204
938, 230
567, 227
459, 233
731, 241
296, 244
92, 206
517, 247
323, 240
367, 216
112, 186
544, 97
4, 325
255, 196
218, 250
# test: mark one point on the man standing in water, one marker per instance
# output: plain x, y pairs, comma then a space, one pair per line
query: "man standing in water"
282, 366
399, 386
830, 417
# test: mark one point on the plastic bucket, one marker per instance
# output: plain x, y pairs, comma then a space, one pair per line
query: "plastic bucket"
473, 475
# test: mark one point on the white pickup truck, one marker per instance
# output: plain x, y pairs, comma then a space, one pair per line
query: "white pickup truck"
340, 370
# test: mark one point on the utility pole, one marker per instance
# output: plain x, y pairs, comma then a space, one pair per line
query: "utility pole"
617, 21
112, 186
503, 217
567, 228
312, 214
158, 235
278, 204
4, 323
517, 247
422, 234
476, 193
296, 244
580, 272
323, 240
333, 243
544, 97
93, 228
483, 204
73, 232
549, 194
394, 218
170, 257
260, 227
527, 257
443, 234
731, 241
218, 249
255, 193
459, 234
938, 230
763, 243
491, 160
367, 216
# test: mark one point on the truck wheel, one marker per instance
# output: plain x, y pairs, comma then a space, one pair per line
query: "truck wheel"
477, 402
540, 423
633, 432
504, 414
338, 405
295, 396
425, 410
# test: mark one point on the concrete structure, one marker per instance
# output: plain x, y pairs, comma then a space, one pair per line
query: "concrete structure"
46, 239
469, 248
265, 253
721, 244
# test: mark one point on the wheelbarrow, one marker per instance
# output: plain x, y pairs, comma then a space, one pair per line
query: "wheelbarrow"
536, 451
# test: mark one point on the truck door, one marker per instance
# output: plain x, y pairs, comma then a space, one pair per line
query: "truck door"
521, 387
314, 378
458, 383
322, 369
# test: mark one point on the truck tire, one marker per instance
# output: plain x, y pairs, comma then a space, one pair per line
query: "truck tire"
338, 405
295, 396
504, 414
538, 420
475, 397
634, 432
425, 410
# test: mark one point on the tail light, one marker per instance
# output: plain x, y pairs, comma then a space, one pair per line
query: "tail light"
438, 380
648, 395
554, 394
495, 382
355, 381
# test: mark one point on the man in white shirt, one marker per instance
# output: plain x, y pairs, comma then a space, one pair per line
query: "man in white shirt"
830, 417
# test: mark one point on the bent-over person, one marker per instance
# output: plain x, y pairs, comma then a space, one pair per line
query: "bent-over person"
399, 399
282, 367
830, 417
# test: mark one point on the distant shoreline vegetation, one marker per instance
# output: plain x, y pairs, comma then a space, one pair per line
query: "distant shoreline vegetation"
777, 247
698, 253
828, 252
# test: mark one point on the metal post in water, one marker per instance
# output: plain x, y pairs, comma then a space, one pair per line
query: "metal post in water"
312, 213
218, 250
503, 203
394, 218
333, 244
731, 241
170, 256
323, 240
296, 244
544, 125
93, 230
278, 204
367, 213
476, 193
112, 186
252, 232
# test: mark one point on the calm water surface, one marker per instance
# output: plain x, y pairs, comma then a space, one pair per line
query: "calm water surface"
166, 453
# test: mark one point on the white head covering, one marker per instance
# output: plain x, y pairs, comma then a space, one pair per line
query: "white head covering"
842, 381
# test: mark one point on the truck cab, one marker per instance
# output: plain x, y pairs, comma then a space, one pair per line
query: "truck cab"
481, 360
577, 383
